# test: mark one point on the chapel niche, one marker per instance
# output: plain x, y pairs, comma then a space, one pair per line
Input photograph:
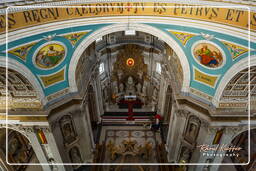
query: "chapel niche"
129, 75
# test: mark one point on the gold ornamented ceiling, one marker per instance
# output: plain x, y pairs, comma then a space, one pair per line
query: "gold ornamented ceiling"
237, 88
21, 94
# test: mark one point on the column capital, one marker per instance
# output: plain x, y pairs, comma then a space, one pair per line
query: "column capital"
182, 113
27, 129
204, 123
54, 124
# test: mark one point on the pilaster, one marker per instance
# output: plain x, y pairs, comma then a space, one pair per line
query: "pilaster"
39, 152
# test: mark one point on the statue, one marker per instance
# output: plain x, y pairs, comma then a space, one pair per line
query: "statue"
140, 74
144, 90
75, 155
119, 74
105, 92
186, 155
115, 88
138, 86
155, 93
130, 85
121, 88
67, 129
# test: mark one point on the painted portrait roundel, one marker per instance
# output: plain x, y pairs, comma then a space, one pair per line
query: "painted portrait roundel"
208, 55
50, 55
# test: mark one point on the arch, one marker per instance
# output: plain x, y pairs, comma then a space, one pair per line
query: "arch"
15, 129
121, 27
242, 131
247, 154
19, 148
23, 70
235, 69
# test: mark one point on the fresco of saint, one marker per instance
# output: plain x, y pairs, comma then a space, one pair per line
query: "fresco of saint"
50, 55
208, 55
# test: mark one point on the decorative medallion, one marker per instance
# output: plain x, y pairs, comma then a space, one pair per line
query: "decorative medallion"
21, 51
235, 50
74, 37
50, 55
183, 37
130, 62
208, 55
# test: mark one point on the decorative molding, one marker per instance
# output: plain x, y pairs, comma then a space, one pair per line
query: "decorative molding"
27, 129
128, 8
201, 94
233, 104
57, 94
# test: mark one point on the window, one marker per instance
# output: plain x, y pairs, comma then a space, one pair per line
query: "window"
158, 68
130, 32
101, 69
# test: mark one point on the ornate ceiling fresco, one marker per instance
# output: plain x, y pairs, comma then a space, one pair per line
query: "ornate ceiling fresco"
49, 53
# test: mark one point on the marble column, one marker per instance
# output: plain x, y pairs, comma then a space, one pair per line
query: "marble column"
88, 124
170, 131
207, 140
53, 149
39, 152
98, 95
162, 95
87, 131
177, 134
226, 139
